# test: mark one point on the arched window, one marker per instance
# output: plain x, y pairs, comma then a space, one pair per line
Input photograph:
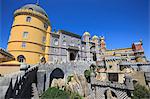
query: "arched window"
28, 19
21, 58
45, 25
56, 42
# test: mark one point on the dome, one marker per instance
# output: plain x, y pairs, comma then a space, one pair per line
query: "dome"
86, 33
102, 38
95, 37
36, 8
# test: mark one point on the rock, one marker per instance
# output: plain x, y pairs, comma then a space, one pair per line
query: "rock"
60, 83
79, 85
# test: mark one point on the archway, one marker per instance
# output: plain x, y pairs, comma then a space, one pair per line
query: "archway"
56, 73
94, 57
72, 56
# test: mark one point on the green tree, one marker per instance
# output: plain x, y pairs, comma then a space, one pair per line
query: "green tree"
87, 74
140, 92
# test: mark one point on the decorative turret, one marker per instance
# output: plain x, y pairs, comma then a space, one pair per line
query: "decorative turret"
102, 43
95, 40
94, 37
86, 34
139, 51
86, 37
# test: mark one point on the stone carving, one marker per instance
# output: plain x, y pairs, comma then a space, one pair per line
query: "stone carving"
77, 84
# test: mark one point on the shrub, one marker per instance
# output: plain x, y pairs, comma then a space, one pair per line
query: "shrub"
140, 92
54, 93
87, 74
69, 78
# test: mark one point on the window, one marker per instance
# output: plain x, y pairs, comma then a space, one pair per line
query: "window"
31, 9
78, 42
113, 77
55, 41
82, 47
28, 19
43, 48
25, 34
64, 42
43, 39
21, 58
23, 44
45, 26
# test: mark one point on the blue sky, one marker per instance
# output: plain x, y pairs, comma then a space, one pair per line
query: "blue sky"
122, 22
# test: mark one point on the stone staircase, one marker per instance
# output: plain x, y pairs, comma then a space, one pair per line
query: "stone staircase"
122, 94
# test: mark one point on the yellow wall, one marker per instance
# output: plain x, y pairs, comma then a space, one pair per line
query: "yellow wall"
111, 52
31, 57
47, 44
36, 31
21, 20
8, 69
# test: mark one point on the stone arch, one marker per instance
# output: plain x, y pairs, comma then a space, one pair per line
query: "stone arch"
112, 92
56, 74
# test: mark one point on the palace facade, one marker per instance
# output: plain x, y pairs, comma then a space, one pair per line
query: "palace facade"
31, 40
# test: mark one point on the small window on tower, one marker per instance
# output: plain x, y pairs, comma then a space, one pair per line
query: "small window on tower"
43, 48
28, 19
21, 58
25, 34
23, 44
31, 9
45, 26
56, 42
43, 39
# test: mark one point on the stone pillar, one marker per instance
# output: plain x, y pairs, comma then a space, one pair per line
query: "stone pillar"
68, 56
41, 81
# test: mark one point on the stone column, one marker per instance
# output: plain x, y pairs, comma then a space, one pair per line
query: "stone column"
41, 81
68, 56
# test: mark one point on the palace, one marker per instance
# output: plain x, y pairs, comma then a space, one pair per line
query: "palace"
31, 40
37, 58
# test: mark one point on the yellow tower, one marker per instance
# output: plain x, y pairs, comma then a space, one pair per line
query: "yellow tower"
28, 37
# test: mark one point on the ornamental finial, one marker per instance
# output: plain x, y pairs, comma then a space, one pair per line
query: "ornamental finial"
37, 2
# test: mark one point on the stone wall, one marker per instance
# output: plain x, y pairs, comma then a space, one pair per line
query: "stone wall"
43, 74
18, 84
